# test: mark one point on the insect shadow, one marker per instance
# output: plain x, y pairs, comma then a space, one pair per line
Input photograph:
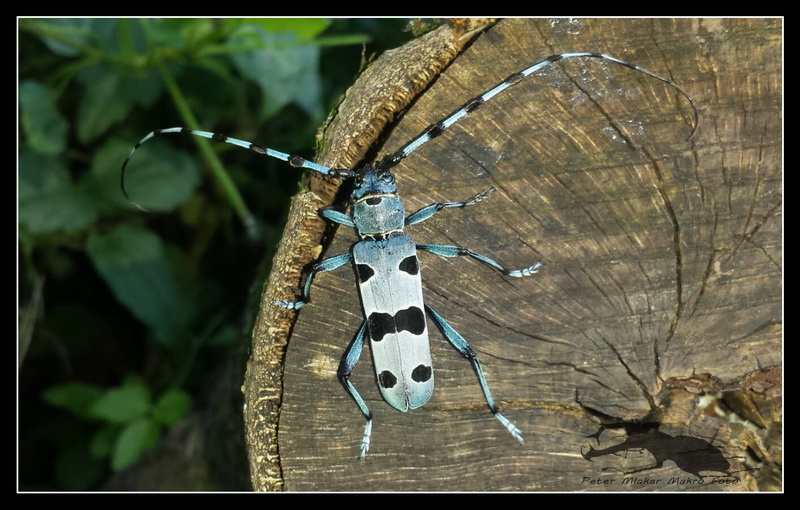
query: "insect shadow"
691, 454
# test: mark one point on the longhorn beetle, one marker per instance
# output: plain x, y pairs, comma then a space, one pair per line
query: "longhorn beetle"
386, 266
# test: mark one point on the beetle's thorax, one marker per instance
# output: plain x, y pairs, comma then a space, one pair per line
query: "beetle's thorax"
377, 210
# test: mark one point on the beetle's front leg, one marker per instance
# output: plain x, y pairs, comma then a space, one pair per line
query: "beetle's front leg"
426, 212
457, 251
326, 265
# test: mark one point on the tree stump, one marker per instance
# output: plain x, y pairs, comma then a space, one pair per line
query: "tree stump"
655, 321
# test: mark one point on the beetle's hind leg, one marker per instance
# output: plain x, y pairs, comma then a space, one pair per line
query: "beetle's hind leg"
349, 360
461, 345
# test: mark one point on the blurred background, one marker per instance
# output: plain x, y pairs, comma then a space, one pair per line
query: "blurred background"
134, 327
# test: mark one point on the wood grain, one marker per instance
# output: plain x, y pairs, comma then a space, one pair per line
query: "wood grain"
660, 295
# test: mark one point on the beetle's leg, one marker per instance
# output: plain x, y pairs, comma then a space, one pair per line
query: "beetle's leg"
335, 216
326, 265
349, 360
457, 251
426, 212
461, 345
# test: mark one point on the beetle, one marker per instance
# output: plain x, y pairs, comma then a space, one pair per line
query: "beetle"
390, 285
386, 265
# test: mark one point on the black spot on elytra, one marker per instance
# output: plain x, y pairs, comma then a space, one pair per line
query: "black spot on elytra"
381, 324
409, 265
374, 200
387, 379
364, 272
411, 319
421, 373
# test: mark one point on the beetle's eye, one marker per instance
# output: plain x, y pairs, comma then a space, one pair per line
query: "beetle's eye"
387, 177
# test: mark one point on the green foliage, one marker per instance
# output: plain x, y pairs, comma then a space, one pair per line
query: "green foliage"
74, 397
134, 265
107, 290
42, 122
129, 423
125, 404
171, 407
49, 200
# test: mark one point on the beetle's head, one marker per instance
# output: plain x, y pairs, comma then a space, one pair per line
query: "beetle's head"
373, 180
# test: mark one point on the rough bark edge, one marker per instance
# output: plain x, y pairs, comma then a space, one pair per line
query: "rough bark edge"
381, 92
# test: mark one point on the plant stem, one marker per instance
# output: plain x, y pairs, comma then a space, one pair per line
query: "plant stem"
218, 170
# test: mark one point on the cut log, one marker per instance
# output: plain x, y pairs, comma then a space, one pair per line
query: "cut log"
656, 316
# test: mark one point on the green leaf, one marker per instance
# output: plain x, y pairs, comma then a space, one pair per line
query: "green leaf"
305, 28
42, 123
133, 440
128, 39
48, 201
74, 397
123, 404
170, 33
39, 174
102, 442
285, 71
133, 264
198, 30
64, 36
110, 97
105, 34
171, 407
159, 177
